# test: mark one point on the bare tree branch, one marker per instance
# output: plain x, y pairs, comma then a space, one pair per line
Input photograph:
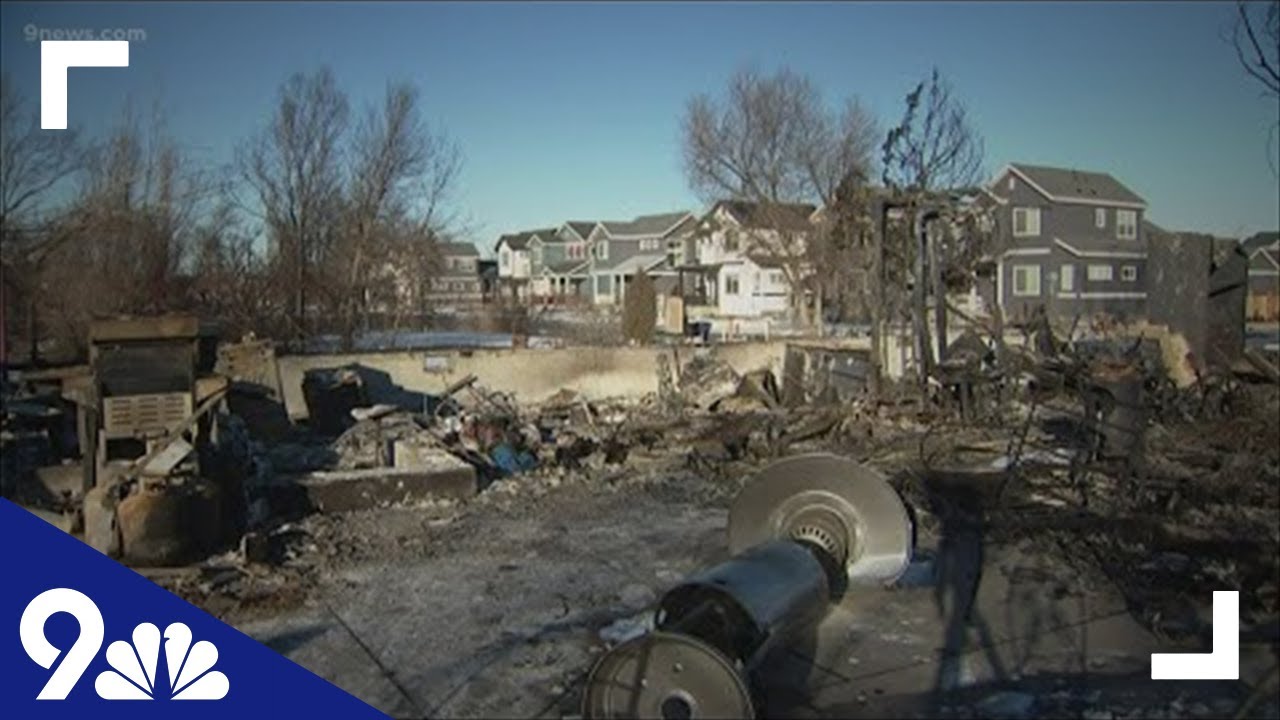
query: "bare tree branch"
1259, 57
32, 161
934, 147
292, 169
773, 143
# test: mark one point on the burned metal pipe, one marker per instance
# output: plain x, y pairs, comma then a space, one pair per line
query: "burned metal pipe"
743, 606
803, 530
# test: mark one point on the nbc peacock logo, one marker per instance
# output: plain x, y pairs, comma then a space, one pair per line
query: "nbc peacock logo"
134, 666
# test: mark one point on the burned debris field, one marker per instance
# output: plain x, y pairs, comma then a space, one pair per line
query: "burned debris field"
467, 553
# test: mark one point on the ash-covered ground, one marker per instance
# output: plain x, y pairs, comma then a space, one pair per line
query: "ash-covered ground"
1038, 591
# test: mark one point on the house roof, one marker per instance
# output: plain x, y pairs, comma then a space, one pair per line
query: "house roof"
1261, 240
520, 240
582, 228
646, 225
1069, 184
564, 267
458, 249
632, 264
781, 216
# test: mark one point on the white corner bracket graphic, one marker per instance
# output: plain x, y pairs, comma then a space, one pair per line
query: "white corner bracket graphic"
58, 55
1221, 664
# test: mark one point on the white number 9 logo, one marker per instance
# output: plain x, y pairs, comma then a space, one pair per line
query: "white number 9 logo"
82, 651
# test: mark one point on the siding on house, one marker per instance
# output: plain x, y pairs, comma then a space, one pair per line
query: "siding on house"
731, 237
616, 250
458, 279
1263, 304
1068, 241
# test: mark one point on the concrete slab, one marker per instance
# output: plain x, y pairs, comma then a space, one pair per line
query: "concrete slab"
437, 475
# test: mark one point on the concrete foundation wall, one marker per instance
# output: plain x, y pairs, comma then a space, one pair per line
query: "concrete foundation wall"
530, 375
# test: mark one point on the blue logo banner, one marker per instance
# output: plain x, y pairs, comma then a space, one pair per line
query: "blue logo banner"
83, 636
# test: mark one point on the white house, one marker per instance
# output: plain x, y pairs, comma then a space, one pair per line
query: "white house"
515, 266
744, 249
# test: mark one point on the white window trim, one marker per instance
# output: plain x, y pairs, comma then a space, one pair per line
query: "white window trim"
1033, 273
1100, 218
1129, 273
1121, 226
737, 285
1032, 228
1067, 278
1095, 273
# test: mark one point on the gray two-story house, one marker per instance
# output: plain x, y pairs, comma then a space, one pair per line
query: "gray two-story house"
1069, 241
559, 264
648, 243
458, 279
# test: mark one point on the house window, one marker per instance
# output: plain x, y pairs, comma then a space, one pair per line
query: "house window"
1012, 182
504, 258
775, 277
730, 242
1127, 224
1026, 281
1026, 222
1100, 273
1100, 218
602, 250
1129, 273
1067, 279
730, 284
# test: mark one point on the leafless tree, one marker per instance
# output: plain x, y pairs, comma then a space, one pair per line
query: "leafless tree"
934, 147
292, 170
120, 245
401, 175
32, 162
229, 276
933, 156
772, 141
1256, 37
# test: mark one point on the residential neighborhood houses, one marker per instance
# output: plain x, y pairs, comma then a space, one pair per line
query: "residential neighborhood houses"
1070, 243
1263, 251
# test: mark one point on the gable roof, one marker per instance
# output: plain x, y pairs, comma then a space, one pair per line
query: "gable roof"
572, 266
1261, 240
1267, 259
458, 249
546, 236
581, 228
520, 240
1069, 185
646, 225
628, 266
782, 216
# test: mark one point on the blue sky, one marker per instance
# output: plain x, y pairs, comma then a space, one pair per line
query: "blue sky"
572, 110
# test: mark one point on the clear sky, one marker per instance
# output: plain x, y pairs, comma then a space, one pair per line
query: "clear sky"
572, 110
